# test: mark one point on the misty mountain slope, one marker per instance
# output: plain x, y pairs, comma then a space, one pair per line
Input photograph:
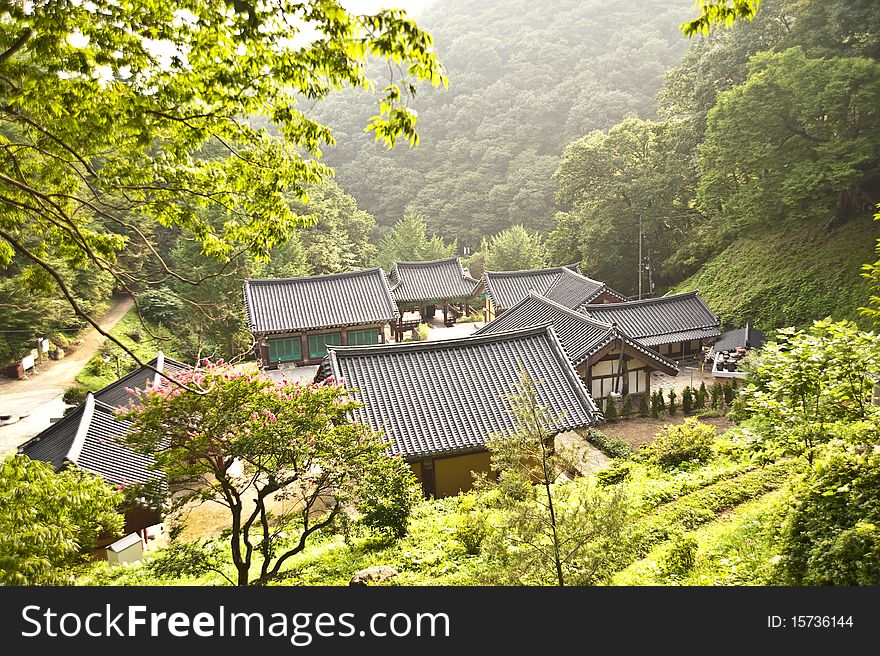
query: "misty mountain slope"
525, 79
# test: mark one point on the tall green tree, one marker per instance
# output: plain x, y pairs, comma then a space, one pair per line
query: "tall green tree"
49, 522
553, 533
798, 140
337, 237
117, 116
408, 241
639, 173
514, 249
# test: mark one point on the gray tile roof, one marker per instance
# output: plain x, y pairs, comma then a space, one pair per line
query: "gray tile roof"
339, 299
444, 397
115, 395
581, 336
663, 320
434, 280
91, 437
572, 289
507, 288
747, 337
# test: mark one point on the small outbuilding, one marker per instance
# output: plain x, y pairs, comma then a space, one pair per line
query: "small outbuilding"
436, 402
128, 549
92, 439
296, 319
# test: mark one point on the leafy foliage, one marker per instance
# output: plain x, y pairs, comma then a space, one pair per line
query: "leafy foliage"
386, 497
610, 446
113, 138
295, 445
408, 241
830, 536
49, 521
679, 443
806, 380
514, 249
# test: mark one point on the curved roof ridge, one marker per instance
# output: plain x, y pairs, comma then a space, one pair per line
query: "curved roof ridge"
318, 276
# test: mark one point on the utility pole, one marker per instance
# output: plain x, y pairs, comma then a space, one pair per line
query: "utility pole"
641, 261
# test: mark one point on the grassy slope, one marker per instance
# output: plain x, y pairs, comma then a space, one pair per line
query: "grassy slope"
97, 373
789, 278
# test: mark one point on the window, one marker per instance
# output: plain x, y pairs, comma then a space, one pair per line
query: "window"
363, 337
285, 350
318, 343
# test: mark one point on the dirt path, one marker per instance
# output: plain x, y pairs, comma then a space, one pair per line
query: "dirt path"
38, 399
640, 430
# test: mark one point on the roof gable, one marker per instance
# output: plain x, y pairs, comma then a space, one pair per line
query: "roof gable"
91, 437
580, 335
448, 396
572, 289
507, 288
431, 280
660, 320
339, 299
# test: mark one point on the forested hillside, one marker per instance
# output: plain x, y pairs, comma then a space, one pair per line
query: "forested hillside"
758, 182
525, 79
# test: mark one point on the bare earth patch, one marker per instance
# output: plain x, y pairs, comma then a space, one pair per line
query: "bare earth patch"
642, 430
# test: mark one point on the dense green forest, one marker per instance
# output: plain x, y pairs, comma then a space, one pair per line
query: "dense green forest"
525, 80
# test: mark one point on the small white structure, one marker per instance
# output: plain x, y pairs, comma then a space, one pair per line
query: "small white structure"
126, 550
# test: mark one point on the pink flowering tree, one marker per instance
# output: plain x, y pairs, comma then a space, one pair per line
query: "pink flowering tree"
284, 458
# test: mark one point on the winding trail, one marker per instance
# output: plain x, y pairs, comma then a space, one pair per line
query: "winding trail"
38, 398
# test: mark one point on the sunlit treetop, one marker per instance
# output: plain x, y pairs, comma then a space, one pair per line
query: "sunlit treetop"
714, 13
117, 116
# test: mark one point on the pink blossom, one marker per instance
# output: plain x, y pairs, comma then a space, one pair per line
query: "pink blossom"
220, 362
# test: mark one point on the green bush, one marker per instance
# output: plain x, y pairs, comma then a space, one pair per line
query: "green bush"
470, 526
628, 409
681, 557
729, 391
610, 446
386, 498
421, 332
684, 442
687, 400
716, 395
672, 403
614, 473
643, 405
701, 396
831, 536
75, 395
610, 410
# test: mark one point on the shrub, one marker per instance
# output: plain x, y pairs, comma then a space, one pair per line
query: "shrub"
729, 391
628, 409
655, 405
75, 395
611, 410
716, 395
643, 405
681, 557
672, 402
610, 446
616, 472
674, 445
831, 536
421, 332
387, 497
687, 400
701, 396
470, 526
